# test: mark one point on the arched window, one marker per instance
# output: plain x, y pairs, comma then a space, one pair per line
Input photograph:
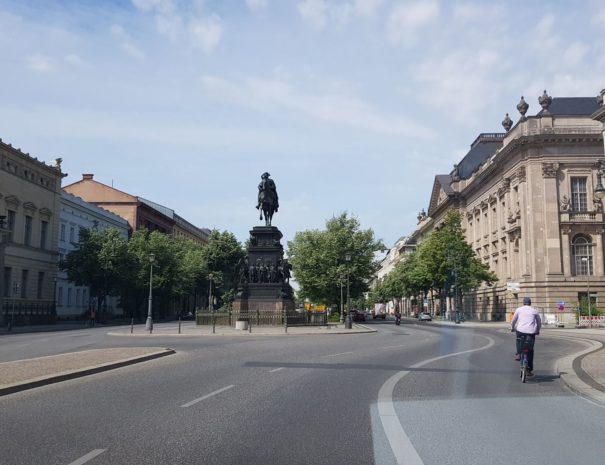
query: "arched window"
581, 250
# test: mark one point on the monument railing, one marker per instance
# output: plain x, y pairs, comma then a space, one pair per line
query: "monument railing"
262, 318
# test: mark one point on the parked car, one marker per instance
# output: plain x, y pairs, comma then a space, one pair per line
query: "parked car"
380, 311
358, 316
424, 316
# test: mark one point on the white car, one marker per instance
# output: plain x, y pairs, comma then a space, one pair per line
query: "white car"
424, 316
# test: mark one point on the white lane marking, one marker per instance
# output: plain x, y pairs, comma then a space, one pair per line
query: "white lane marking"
277, 369
336, 355
195, 401
390, 347
400, 443
85, 458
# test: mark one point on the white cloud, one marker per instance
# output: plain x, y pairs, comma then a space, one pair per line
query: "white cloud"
257, 5
365, 8
40, 63
408, 19
73, 59
320, 13
206, 32
472, 82
185, 22
475, 12
315, 12
125, 42
274, 95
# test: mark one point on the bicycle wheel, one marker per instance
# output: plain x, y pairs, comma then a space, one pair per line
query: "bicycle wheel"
524, 368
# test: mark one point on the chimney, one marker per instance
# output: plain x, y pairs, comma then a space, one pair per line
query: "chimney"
87, 177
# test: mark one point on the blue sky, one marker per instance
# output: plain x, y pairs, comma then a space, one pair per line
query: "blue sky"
351, 105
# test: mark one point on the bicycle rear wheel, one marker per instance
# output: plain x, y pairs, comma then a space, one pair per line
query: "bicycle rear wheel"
524, 367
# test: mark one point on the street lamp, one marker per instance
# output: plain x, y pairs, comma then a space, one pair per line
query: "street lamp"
4, 232
599, 191
149, 322
587, 261
349, 321
16, 288
210, 303
342, 302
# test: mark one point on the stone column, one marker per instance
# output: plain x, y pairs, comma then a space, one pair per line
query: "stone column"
552, 238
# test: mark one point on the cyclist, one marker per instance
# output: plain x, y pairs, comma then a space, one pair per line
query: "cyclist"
526, 322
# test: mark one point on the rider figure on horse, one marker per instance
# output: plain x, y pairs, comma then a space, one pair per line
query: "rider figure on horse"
268, 201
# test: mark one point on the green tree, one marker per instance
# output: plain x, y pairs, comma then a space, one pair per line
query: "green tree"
222, 255
319, 260
102, 262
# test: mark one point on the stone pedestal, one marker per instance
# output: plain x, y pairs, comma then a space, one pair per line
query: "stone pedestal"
264, 286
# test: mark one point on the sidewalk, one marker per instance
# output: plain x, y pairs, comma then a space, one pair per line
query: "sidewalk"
26, 374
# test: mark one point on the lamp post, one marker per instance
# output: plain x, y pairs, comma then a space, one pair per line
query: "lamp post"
4, 232
149, 322
587, 261
210, 303
341, 282
16, 288
349, 320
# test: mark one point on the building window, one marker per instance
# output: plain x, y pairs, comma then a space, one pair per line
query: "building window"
78, 298
579, 201
581, 251
43, 233
72, 234
40, 284
24, 277
27, 237
7, 281
63, 232
60, 295
10, 223
69, 296
84, 301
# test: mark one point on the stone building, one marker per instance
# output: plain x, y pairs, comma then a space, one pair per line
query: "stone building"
30, 193
74, 301
139, 212
530, 198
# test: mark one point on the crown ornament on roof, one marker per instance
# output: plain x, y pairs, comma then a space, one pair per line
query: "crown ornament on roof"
545, 100
507, 123
522, 106
600, 98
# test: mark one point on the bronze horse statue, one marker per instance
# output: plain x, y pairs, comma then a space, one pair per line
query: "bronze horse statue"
268, 202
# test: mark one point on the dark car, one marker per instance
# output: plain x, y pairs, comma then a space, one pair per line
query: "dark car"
358, 316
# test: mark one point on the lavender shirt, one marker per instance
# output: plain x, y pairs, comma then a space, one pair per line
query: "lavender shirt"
526, 320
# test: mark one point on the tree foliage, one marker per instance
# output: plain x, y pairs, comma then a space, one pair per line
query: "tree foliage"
442, 261
319, 260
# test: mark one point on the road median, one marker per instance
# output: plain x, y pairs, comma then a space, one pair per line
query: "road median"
20, 375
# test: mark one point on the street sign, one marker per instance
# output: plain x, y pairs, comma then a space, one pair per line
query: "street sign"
561, 306
513, 287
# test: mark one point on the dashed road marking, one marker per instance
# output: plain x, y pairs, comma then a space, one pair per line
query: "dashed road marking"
218, 391
276, 369
85, 458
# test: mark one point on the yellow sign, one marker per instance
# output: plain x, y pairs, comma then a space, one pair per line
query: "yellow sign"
320, 308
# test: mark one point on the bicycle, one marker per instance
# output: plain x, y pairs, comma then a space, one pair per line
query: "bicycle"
525, 346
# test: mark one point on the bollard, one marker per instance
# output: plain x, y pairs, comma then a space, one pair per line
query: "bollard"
179, 323
348, 322
213, 323
132, 325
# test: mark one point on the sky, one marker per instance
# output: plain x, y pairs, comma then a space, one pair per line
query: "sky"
351, 105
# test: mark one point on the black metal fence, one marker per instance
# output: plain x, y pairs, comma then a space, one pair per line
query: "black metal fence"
28, 313
263, 318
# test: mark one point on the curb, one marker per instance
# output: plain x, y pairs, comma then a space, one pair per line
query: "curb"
567, 368
72, 374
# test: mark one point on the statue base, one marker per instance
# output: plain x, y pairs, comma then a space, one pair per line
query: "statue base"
265, 288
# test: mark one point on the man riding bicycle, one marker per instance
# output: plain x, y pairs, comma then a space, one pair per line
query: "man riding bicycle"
526, 322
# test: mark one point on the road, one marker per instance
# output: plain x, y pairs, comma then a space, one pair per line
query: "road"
413, 394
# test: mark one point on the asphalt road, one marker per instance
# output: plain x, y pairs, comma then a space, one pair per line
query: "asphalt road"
413, 394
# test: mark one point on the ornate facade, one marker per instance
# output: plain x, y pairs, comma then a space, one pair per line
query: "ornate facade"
30, 193
529, 208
